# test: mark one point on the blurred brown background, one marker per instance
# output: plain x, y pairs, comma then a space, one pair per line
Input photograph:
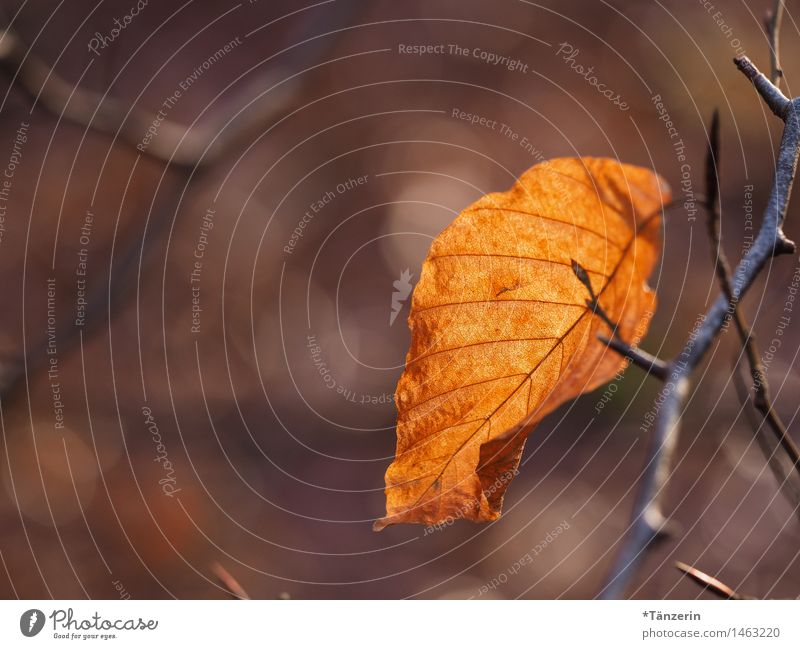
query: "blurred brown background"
274, 417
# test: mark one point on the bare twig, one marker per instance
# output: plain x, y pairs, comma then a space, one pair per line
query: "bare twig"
772, 23
647, 519
227, 580
786, 478
637, 356
712, 584
778, 102
762, 399
648, 522
649, 363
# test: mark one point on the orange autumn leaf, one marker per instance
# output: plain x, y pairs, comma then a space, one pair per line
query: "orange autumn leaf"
501, 331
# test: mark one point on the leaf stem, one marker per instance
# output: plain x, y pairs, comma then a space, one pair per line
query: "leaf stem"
640, 358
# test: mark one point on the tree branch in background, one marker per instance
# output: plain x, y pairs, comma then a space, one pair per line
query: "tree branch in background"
266, 96
648, 521
192, 150
176, 143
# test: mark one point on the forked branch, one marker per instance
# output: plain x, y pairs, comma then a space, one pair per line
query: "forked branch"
762, 399
648, 521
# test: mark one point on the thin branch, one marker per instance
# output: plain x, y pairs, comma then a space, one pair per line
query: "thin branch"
647, 518
786, 478
228, 582
708, 582
772, 24
778, 102
762, 399
638, 357
648, 522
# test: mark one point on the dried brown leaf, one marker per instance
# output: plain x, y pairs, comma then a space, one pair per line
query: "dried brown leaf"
501, 331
